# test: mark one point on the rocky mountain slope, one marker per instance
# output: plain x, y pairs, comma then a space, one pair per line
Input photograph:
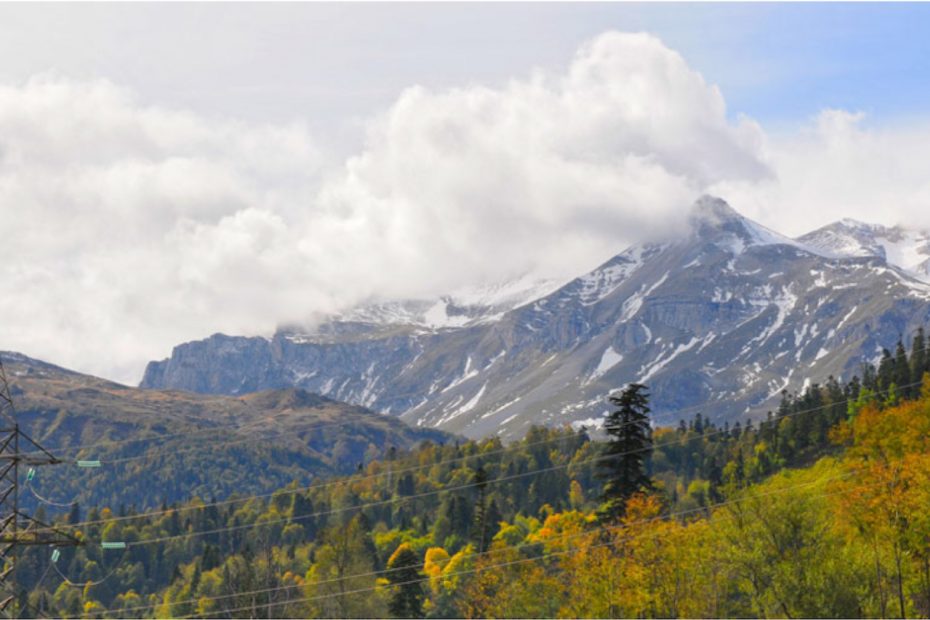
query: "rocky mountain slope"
468, 306
187, 444
906, 249
720, 321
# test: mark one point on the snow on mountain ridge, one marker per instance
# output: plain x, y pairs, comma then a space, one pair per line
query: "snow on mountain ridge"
482, 303
465, 306
710, 218
713, 219
724, 318
906, 249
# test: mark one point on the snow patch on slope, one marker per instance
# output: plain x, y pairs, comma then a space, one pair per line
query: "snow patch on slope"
906, 249
609, 359
635, 301
467, 374
601, 282
662, 362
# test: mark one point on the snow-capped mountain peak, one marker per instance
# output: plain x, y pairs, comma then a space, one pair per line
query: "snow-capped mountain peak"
720, 320
465, 306
713, 220
907, 249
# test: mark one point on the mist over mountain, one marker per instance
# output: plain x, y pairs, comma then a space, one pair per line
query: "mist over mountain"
721, 320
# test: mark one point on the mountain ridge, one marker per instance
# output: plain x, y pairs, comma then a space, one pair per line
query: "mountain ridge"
908, 249
714, 319
216, 443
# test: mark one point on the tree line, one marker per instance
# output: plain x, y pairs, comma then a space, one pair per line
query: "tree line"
674, 521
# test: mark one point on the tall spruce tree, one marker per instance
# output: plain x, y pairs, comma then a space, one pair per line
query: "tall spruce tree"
480, 531
629, 446
407, 598
919, 358
902, 371
869, 378
885, 371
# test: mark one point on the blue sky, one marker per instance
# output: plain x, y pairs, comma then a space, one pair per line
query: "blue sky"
781, 62
324, 63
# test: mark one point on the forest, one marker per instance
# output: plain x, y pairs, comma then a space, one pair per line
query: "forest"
817, 510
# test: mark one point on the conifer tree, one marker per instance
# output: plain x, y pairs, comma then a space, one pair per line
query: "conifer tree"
919, 358
407, 598
902, 370
629, 445
885, 371
492, 520
869, 378
480, 532
406, 485
210, 558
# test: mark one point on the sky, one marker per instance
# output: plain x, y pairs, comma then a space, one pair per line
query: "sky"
168, 171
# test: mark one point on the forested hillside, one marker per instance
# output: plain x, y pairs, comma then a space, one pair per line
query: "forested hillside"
157, 446
817, 511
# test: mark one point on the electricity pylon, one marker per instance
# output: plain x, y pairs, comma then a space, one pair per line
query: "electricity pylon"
18, 529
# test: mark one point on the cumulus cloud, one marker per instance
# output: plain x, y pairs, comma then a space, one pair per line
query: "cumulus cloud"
117, 215
551, 173
129, 228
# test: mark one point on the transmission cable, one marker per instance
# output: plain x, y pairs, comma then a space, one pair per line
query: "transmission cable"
679, 440
700, 509
454, 574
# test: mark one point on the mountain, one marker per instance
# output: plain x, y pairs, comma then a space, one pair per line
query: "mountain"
187, 444
467, 306
719, 320
906, 249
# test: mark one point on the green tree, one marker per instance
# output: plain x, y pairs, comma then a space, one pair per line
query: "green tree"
480, 534
623, 466
343, 564
407, 596
902, 371
918, 359
886, 368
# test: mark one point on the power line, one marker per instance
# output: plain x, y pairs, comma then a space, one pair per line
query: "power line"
259, 439
520, 546
463, 572
329, 483
17, 528
679, 440
114, 442
368, 504
451, 489
93, 582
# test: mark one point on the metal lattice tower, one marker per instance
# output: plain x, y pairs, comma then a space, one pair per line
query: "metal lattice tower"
18, 529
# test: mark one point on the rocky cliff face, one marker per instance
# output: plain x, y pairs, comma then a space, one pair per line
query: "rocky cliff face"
720, 322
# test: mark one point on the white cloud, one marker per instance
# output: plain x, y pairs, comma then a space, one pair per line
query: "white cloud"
554, 172
114, 214
837, 166
129, 228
